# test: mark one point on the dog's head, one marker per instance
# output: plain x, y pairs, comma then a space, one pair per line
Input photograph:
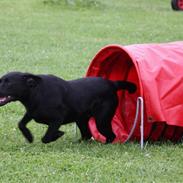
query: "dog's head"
16, 86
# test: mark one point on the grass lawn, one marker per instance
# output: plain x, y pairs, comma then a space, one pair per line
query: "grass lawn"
58, 39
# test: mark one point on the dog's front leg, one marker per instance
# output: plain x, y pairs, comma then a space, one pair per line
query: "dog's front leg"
25, 131
52, 133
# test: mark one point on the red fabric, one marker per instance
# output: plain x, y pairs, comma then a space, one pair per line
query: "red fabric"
161, 73
157, 69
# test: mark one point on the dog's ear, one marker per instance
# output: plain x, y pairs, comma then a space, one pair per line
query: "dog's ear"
31, 80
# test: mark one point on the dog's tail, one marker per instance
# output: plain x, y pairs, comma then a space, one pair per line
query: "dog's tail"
125, 85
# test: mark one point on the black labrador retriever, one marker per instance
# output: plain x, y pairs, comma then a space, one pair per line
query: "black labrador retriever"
53, 101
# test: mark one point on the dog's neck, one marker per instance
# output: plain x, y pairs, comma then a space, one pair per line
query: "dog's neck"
28, 100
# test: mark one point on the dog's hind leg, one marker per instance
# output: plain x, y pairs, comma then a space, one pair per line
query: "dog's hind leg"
84, 129
103, 117
52, 133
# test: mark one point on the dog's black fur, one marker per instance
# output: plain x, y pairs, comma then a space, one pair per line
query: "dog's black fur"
53, 101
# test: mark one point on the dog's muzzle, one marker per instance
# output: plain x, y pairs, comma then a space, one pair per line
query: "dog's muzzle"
4, 100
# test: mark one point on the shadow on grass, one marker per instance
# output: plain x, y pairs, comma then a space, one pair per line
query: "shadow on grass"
71, 144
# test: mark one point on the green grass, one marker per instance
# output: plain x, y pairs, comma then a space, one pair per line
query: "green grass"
61, 39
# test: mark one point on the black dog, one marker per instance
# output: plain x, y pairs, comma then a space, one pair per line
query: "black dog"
53, 101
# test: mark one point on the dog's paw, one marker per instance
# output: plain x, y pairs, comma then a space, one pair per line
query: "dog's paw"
59, 134
110, 139
45, 140
30, 139
49, 139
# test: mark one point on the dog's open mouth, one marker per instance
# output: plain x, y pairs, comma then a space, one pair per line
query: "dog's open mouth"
5, 100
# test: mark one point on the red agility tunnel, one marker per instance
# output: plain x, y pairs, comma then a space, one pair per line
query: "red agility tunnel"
157, 70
